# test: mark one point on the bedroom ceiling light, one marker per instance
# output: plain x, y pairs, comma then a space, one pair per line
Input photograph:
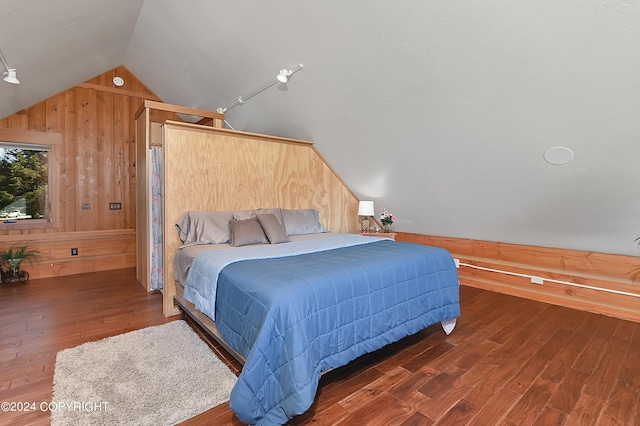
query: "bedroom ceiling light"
365, 209
282, 77
10, 73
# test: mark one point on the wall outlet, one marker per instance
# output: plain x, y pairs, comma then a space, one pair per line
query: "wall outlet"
537, 280
115, 206
86, 206
74, 251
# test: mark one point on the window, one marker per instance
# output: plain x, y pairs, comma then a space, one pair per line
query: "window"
27, 179
24, 181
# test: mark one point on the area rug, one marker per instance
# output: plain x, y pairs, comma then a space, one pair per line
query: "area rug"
159, 375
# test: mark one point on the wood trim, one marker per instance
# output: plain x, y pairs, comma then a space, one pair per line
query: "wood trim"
28, 224
390, 235
28, 136
75, 236
178, 109
118, 91
546, 259
602, 283
241, 134
143, 188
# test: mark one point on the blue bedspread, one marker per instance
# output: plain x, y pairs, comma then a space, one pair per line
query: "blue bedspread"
295, 317
201, 284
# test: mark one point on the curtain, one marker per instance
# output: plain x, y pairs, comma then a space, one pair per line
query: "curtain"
156, 218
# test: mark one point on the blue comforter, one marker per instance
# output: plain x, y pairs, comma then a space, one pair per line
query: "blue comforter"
295, 317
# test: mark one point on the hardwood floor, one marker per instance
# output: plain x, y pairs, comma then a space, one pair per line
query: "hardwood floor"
509, 361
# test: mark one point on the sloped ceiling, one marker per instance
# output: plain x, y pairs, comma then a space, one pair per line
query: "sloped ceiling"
438, 110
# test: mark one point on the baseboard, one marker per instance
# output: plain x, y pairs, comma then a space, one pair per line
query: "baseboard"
595, 282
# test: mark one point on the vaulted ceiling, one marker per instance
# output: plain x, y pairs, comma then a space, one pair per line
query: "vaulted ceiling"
440, 111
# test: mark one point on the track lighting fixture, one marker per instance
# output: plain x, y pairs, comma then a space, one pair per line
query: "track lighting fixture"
282, 77
10, 73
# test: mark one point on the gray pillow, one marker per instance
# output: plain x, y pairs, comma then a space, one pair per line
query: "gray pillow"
204, 227
246, 214
273, 229
302, 222
247, 232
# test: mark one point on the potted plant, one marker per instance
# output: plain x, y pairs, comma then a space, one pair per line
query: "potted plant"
386, 219
12, 257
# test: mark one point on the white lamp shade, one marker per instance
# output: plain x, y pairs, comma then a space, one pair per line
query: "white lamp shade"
365, 208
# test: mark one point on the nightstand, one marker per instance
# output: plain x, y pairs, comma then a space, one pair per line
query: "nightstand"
391, 235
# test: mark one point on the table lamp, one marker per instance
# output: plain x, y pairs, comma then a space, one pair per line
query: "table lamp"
365, 209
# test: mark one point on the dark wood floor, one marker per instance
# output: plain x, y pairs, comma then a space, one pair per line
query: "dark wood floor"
510, 361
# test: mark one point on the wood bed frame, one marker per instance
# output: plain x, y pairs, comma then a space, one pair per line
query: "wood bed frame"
209, 168
203, 321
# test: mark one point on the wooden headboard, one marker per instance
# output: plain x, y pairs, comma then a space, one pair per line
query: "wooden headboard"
209, 168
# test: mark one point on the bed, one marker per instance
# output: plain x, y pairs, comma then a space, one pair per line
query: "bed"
291, 300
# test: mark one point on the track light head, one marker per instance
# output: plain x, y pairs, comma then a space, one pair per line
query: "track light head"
10, 72
283, 75
11, 76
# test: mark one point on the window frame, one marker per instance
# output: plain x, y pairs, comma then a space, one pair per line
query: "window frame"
54, 142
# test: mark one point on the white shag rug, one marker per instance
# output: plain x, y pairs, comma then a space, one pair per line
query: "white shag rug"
159, 375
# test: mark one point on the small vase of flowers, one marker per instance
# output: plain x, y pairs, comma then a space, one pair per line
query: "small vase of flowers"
386, 219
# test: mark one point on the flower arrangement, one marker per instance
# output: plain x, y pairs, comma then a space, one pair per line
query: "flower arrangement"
386, 219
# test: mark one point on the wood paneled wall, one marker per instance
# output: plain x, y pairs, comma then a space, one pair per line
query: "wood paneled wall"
596, 282
96, 167
220, 169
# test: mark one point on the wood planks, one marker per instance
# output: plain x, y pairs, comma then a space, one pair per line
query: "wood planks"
96, 166
97, 251
97, 153
580, 274
218, 169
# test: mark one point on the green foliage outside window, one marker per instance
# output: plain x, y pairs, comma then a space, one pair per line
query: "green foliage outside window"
24, 175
